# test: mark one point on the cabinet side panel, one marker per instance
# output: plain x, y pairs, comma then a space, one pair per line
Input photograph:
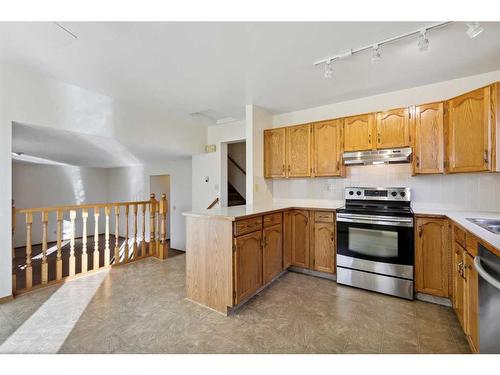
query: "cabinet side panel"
209, 269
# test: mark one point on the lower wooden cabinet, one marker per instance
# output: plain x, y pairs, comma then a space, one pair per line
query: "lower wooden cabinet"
299, 241
458, 298
287, 239
324, 247
272, 263
247, 265
471, 302
432, 256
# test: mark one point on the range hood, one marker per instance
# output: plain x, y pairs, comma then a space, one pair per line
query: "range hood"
389, 156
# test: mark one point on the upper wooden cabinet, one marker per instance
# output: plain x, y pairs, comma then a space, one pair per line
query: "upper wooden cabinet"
274, 153
428, 139
468, 132
358, 132
432, 256
298, 150
327, 152
393, 128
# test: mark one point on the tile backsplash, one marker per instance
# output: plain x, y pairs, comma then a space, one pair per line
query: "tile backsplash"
469, 191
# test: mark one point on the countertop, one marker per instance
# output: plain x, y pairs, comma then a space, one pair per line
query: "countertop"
459, 217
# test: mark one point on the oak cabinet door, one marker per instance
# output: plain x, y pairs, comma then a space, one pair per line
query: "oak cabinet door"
431, 258
272, 253
471, 302
287, 239
247, 265
458, 283
327, 151
299, 229
468, 127
298, 150
358, 132
393, 128
274, 153
324, 247
428, 139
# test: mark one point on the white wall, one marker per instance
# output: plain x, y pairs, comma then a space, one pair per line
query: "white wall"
259, 190
29, 98
237, 151
38, 185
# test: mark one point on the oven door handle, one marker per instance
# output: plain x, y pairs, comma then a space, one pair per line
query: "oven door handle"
484, 274
395, 223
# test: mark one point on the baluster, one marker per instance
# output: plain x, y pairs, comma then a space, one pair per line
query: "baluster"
125, 259
29, 270
134, 212
14, 276
72, 217
152, 211
45, 266
163, 253
117, 234
107, 211
59, 245
157, 232
85, 215
143, 242
96, 238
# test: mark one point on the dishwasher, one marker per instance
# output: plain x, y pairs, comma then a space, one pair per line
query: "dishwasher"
487, 266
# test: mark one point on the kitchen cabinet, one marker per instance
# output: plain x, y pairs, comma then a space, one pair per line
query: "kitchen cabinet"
428, 139
471, 302
298, 150
247, 265
458, 299
431, 256
393, 128
358, 132
287, 240
327, 152
272, 252
468, 126
299, 241
323, 242
275, 153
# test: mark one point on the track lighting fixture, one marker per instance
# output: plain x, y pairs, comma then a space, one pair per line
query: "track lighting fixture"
328, 69
423, 42
376, 54
474, 29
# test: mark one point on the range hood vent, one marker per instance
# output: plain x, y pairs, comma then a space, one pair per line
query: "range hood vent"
390, 156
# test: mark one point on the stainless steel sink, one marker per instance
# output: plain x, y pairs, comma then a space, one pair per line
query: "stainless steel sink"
492, 225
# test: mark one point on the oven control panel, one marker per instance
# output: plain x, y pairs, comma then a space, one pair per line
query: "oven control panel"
378, 193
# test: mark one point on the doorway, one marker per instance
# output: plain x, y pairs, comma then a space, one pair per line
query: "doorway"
236, 174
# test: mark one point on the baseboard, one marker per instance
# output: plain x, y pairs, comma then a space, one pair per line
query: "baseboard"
433, 299
6, 299
305, 271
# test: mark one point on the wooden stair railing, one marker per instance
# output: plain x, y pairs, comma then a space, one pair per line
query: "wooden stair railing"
141, 247
216, 200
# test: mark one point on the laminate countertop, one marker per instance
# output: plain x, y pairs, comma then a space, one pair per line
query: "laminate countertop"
459, 217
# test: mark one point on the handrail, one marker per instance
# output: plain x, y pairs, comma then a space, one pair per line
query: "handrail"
237, 165
216, 200
129, 246
78, 206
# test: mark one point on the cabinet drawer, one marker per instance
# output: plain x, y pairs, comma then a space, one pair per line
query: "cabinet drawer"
323, 216
471, 243
247, 226
459, 236
272, 219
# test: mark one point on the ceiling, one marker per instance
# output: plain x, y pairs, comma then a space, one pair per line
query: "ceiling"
184, 68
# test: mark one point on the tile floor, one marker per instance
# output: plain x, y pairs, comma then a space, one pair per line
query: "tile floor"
140, 308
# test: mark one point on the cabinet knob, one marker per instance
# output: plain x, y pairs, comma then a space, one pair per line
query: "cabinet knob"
418, 162
420, 230
485, 156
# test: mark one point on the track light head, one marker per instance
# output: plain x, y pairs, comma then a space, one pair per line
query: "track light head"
376, 54
423, 42
474, 29
328, 69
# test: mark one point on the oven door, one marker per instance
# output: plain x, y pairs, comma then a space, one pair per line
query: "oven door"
380, 239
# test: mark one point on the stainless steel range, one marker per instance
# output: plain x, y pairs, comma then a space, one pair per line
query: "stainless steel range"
375, 248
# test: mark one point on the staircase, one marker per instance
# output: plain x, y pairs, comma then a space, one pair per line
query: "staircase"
233, 197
